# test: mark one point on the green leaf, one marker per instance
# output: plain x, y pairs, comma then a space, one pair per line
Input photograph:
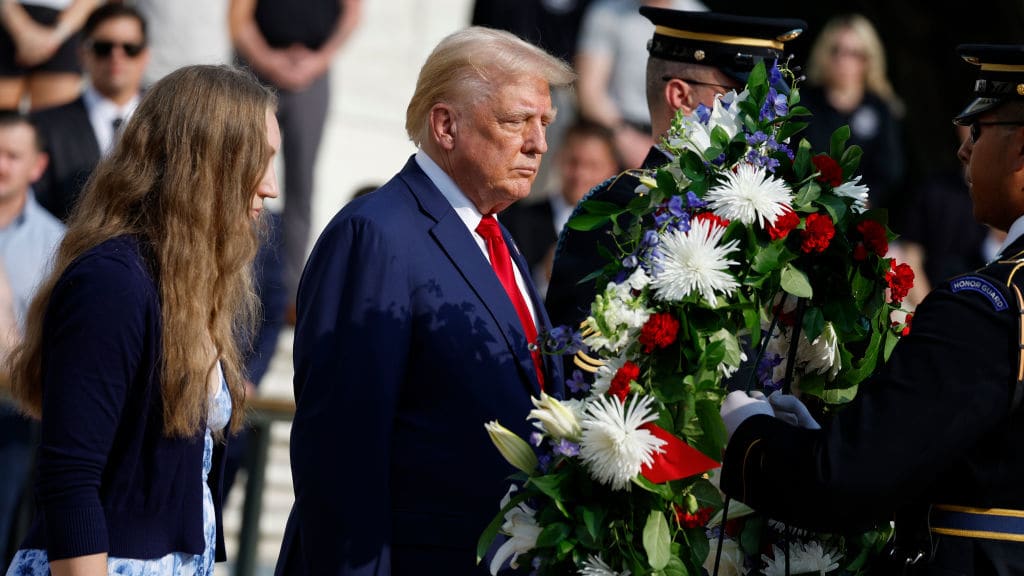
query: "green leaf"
795, 282
667, 183
851, 160
699, 545
837, 142
638, 205
814, 322
552, 534
656, 540
484, 542
768, 258
807, 194
675, 567
593, 520
834, 205
839, 395
799, 111
712, 443
789, 129
551, 486
587, 222
802, 163
602, 207
891, 339
663, 490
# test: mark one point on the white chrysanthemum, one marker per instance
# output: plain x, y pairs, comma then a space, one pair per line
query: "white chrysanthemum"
854, 189
731, 563
595, 566
804, 558
614, 446
821, 356
522, 528
751, 195
727, 370
694, 261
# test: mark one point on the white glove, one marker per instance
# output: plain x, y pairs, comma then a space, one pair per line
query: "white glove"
738, 406
791, 410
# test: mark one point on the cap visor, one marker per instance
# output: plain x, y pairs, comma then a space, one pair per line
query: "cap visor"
975, 109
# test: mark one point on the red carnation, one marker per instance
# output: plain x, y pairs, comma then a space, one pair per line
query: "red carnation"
906, 325
860, 253
713, 218
830, 172
620, 383
659, 331
817, 233
901, 279
783, 225
875, 238
696, 520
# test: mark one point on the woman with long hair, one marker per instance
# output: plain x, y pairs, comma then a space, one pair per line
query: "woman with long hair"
847, 84
130, 356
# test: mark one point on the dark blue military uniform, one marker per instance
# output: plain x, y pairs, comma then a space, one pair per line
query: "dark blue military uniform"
731, 44
939, 431
577, 253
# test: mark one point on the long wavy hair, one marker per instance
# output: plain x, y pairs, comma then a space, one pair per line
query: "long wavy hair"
876, 76
181, 180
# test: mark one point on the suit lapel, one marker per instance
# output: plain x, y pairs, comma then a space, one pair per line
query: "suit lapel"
458, 244
82, 125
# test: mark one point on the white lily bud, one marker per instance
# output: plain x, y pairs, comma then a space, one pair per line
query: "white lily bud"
555, 419
515, 450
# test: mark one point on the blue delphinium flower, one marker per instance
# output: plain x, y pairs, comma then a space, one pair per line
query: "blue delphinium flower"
775, 105
765, 372
774, 74
566, 448
576, 383
694, 201
536, 439
703, 113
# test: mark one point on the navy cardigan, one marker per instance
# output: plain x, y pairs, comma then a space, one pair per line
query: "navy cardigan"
108, 480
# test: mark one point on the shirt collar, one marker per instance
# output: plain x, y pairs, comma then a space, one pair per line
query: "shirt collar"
102, 112
461, 203
1016, 231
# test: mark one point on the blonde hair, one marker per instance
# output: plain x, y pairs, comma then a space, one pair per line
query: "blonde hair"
180, 180
876, 78
471, 63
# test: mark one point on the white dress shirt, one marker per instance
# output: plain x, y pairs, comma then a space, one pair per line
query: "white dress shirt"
102, 113
471, 217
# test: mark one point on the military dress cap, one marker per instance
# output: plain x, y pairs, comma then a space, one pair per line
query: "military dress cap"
1000, 77
734, 44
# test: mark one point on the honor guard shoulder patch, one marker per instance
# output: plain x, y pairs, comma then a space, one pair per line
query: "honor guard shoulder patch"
982, 286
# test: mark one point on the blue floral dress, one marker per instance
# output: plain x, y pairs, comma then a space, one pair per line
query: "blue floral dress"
35, 562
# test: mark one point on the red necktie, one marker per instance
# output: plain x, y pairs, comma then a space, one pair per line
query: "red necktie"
501, 260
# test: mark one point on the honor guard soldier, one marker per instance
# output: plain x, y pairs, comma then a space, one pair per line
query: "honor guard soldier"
934, 440
694, 57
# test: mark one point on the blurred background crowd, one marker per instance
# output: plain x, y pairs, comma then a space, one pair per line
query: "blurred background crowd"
344, 74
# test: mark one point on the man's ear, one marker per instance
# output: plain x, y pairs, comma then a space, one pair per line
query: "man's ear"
42, 159
680, 95
443, 123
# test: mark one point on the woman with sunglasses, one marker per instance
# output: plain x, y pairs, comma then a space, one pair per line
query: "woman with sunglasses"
38, 51
130, 356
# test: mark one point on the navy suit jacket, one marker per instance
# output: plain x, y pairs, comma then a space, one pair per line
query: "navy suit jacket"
74, 154
406, 344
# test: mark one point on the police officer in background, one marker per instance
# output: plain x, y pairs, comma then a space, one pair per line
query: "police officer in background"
936, 439
694, 57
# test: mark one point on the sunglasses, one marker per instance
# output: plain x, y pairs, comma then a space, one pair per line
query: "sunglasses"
104, 48
977, 124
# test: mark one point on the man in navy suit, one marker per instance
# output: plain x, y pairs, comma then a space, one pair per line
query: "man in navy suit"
79, 133
408, 340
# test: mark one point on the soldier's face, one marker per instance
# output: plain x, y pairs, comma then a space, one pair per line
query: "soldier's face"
994, 160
